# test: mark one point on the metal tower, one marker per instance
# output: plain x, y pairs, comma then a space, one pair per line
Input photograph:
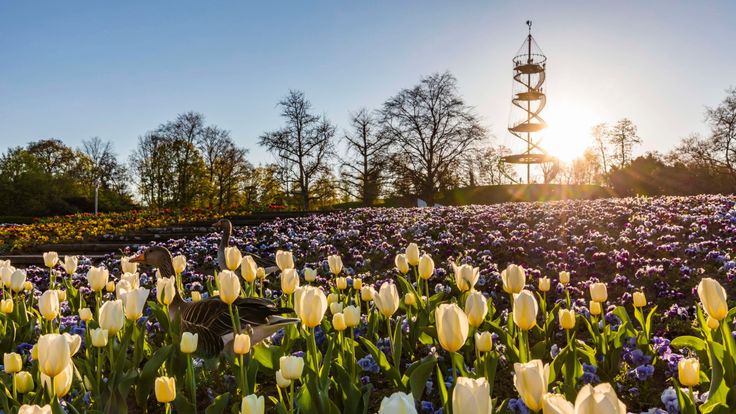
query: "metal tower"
527, 102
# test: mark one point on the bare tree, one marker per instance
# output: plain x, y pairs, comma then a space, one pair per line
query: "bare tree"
623, 137
304, 143
432, 126
722, 122
600, 137
367, 151
105, 169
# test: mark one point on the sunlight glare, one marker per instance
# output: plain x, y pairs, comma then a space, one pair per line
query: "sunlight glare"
568, 130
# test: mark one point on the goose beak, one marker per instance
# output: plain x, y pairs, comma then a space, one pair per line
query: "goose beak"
139, 258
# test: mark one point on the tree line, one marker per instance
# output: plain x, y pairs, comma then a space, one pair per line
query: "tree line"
421, 141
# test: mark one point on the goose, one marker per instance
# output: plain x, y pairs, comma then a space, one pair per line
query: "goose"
227, 230
210, 318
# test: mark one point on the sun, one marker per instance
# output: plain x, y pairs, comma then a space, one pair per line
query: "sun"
568, 130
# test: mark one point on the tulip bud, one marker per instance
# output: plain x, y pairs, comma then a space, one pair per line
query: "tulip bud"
483, 341
112, 317
166, 290
99, 337
335, 307
284, 260
229, 286
232, 258
133, 280
688, 372
426, 266
61, 294
12, 362
352, 316
196, 296
165, 389
289, 281
310, 275
387, 299
335, 263
85, 314
248, 269
530, 380
713, 323
291, 367
466, 276
332, 298
188, 342
62, 381
472, 396
598, 292
28, 286
513, 278
261, 273
50, 259
18, 281
367, 293
525, 310
110, 287
34, 352
556, 404
452, 326
97, 278
24, 382
310, 304
640, 300
135, 300
54, 354
6, 306
252, 404
341, 283
241, 344
70, 264
357, 283
412, 254
281, 381
595, 308
48, 305
127, 266
713, 297
601, 399
410, 299
180, 263
544, 284
402, 263
564, 277
398, 403
567, 319
476, 307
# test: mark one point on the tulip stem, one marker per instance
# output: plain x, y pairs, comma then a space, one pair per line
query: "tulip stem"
99, 377
243, 375
426, 288
292, 403
236, 325
454, 368
15, 393
390, 339
313, 346
192, 382
168, 408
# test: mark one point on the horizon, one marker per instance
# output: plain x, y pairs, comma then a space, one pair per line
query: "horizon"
119, 71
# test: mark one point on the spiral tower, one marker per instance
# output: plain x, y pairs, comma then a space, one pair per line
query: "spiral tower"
528, 101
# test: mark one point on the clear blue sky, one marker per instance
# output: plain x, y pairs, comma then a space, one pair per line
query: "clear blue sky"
73, 70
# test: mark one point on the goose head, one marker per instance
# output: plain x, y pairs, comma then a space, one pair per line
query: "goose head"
158, 257
223, 224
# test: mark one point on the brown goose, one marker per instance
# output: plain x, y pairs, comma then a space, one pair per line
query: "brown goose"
210, 318
227, 230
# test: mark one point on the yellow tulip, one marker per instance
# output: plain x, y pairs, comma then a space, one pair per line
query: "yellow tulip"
134, 302
188, 343
180, 264
387, 299
196, 296
99, 337
334, 262
97, 278
412, 254
34, 352
310, 304
261, 273
50, 259
483, 341
165, 389
556, 404
338, 322
48, 305
112, 317
284, 260
513, 278
110, 287
401, 263
18, 281
291, 367
232, 258
530, 380
466, 276
62, 381
289, 281
598, 292
229, 286
332, 298
61, 294
595, 308
252, 404
165, 290
525, 310
544, 284
426, 266
24, 382
472, 396
713, 297
281, 381
241, 344
398, 403
688, 372
70, 264
352, 316
335, 307
6, 306
310, 275
34, 409
564, 277
133, 280
357, 283
640, 300
367, 293
127, 266
601, 399
5, 272
476, 307
712, 323
567, 319
452, 326
12, 362
53, 354
341, 283
249, 269
410, 299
